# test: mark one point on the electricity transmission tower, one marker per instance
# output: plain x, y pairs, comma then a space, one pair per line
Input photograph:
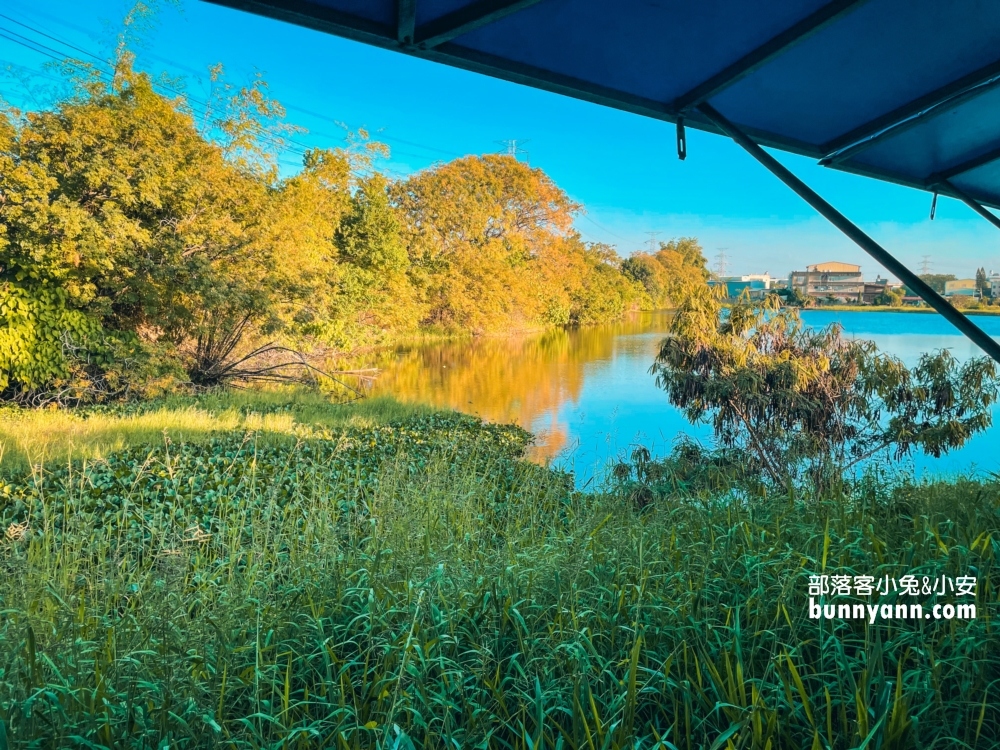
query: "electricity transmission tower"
652, 241
512, 148
721, 262
925, 264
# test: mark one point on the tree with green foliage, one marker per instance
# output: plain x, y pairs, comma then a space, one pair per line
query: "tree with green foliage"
373, 295
639, 267
492, 249
801, 401
982, 283
601, 292
153, 236
935, 281
889, 298
794, 298
140, 244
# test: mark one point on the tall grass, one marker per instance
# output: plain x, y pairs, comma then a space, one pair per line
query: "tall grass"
415, 584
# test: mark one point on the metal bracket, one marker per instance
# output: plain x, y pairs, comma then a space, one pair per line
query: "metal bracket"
682, 144
934, 205
972, 203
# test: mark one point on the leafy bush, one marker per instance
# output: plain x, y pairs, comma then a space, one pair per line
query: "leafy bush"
40, 338
342, 466
690, 470
51, 353
814, 402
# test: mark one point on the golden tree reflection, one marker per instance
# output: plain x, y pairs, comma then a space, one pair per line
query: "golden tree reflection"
523, 379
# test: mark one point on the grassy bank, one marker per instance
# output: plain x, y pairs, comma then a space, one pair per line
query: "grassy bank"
52, 437
377, 576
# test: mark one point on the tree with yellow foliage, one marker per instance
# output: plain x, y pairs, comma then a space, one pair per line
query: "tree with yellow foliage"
492, 248
137, 240
666, 273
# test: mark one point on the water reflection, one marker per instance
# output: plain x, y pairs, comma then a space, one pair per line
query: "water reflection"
524, 379
587, 394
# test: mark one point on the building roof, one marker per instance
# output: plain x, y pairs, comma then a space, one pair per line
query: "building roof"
834, 266
903, 90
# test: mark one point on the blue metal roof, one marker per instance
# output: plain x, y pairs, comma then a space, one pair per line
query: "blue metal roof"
902, 90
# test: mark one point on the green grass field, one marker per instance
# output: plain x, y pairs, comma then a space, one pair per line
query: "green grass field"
273, 571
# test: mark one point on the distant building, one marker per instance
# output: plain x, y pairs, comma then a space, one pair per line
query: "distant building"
962, 287
765, 278
872, 290
994, 279
756, 285
840, 281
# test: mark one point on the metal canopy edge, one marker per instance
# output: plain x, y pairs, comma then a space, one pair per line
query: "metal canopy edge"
765, 53
467, 19
331, 21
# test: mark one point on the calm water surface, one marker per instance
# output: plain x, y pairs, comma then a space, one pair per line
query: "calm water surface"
588, 396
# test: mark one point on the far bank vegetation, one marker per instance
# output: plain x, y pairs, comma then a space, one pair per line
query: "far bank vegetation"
146, 242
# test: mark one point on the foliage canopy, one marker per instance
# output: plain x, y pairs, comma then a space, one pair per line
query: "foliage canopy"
142, 243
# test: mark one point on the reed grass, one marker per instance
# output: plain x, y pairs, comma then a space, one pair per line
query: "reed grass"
414, 583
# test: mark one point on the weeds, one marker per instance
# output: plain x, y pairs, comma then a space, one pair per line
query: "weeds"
415, 584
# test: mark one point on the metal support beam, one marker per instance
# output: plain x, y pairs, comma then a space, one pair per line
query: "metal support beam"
966, 166
912, 113
866, 243
467, 19
406, 20
972, 203
764, 53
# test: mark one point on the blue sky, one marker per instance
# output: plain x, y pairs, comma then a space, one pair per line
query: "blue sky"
623, 168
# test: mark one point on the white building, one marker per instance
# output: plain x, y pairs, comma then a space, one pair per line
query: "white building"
764, 277
994, 279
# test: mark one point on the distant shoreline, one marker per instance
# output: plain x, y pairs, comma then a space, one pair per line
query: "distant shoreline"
861, 308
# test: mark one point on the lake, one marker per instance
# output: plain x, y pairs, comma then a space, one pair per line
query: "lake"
588, 396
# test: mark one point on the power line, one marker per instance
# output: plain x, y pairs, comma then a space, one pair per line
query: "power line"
380, 136
34, 46
926, 264
54, 19
601, 227
30, 43
55, 54
173, 63
721, 261
280, 142
55, 39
